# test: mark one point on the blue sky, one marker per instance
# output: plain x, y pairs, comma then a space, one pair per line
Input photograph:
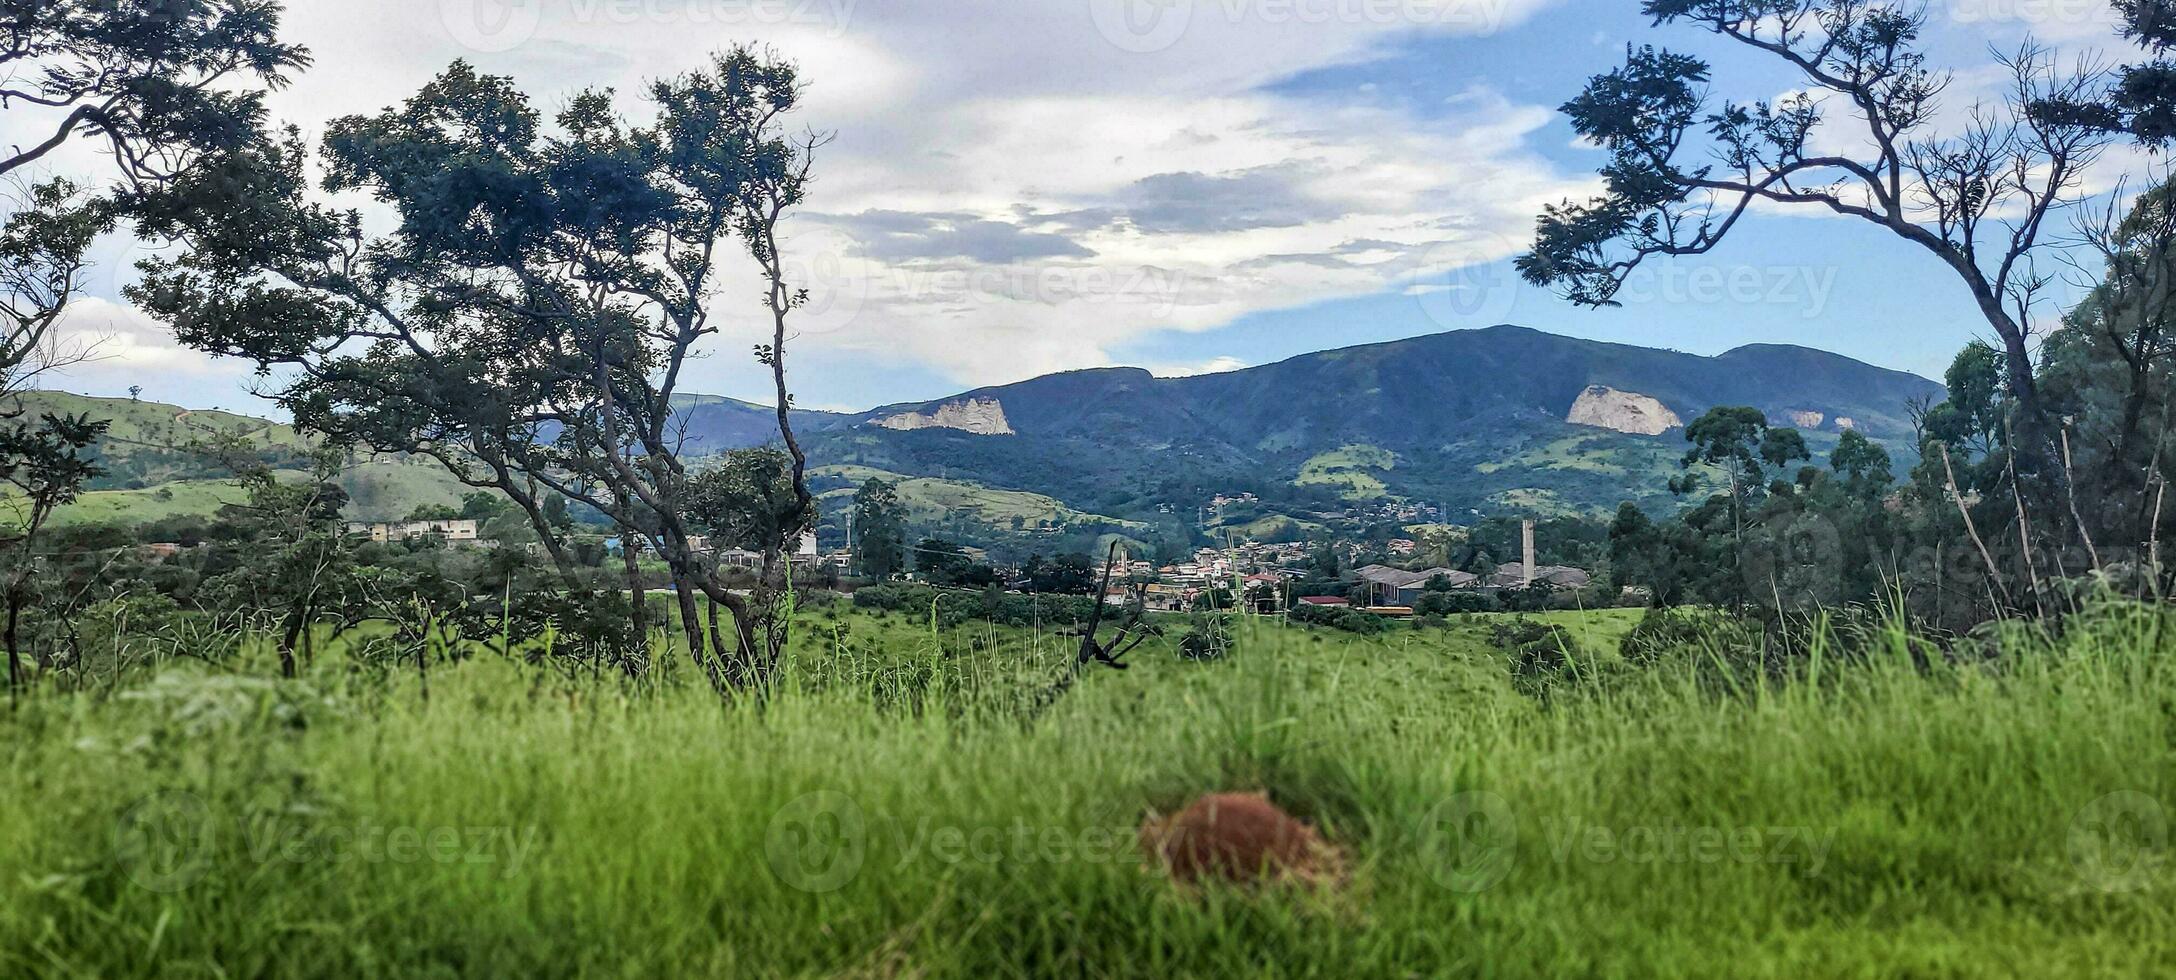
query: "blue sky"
1022, 187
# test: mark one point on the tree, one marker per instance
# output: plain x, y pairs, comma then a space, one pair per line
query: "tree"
43, 244
1862, 465
880, 530
1738, 441
301, 562
1682, 172
529, 322
751, 500
1325, 561
46, 465
1728, 438
42, 263
2142, 103
2111, 375
1067, 574
159, 82
941, 562
1639, 556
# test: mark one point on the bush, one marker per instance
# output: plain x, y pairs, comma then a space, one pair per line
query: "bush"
1340, 617
1726, 653
954, 607
1674, 632
1526, 598
1210, 638
1447, 603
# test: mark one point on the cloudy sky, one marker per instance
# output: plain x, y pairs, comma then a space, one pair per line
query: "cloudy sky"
1023, 186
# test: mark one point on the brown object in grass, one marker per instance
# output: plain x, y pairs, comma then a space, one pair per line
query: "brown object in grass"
1237, 837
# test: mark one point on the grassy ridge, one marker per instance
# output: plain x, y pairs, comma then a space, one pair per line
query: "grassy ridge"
1882, 819
153, 473
930, 500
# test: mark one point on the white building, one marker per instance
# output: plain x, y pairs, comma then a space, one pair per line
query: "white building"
454, 531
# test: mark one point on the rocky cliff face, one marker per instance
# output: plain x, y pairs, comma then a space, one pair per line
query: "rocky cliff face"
981, 416
1625, 411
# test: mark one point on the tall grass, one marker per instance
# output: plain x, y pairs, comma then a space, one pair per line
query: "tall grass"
888, 812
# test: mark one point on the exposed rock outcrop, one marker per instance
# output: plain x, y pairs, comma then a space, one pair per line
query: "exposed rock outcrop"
1845, 423
981, 416
1807, 419
1625, 411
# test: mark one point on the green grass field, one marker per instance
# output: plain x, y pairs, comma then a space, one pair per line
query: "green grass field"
891, 812
182, 498
1351, 467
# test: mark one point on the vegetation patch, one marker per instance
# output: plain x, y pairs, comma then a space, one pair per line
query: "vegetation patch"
1356, 469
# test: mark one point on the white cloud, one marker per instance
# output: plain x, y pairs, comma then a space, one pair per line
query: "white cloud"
123, 347
1029, 165
1214, 365
1025, 129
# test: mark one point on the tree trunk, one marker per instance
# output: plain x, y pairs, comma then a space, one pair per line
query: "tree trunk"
295, 623
691, 626
639, 615
15, 654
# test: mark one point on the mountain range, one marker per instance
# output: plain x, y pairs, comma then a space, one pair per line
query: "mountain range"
1500, 420
1503, 417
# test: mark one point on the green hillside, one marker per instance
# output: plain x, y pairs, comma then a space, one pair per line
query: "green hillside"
155, 424
156, 469
931, 500
1470, 419
1465, 421
181, 498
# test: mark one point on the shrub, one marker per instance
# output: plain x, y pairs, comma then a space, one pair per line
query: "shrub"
1667, 632
1446, 603
1210, 638
1340, 617
954, 607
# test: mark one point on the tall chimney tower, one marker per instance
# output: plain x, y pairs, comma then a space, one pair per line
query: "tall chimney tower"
1526, 536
